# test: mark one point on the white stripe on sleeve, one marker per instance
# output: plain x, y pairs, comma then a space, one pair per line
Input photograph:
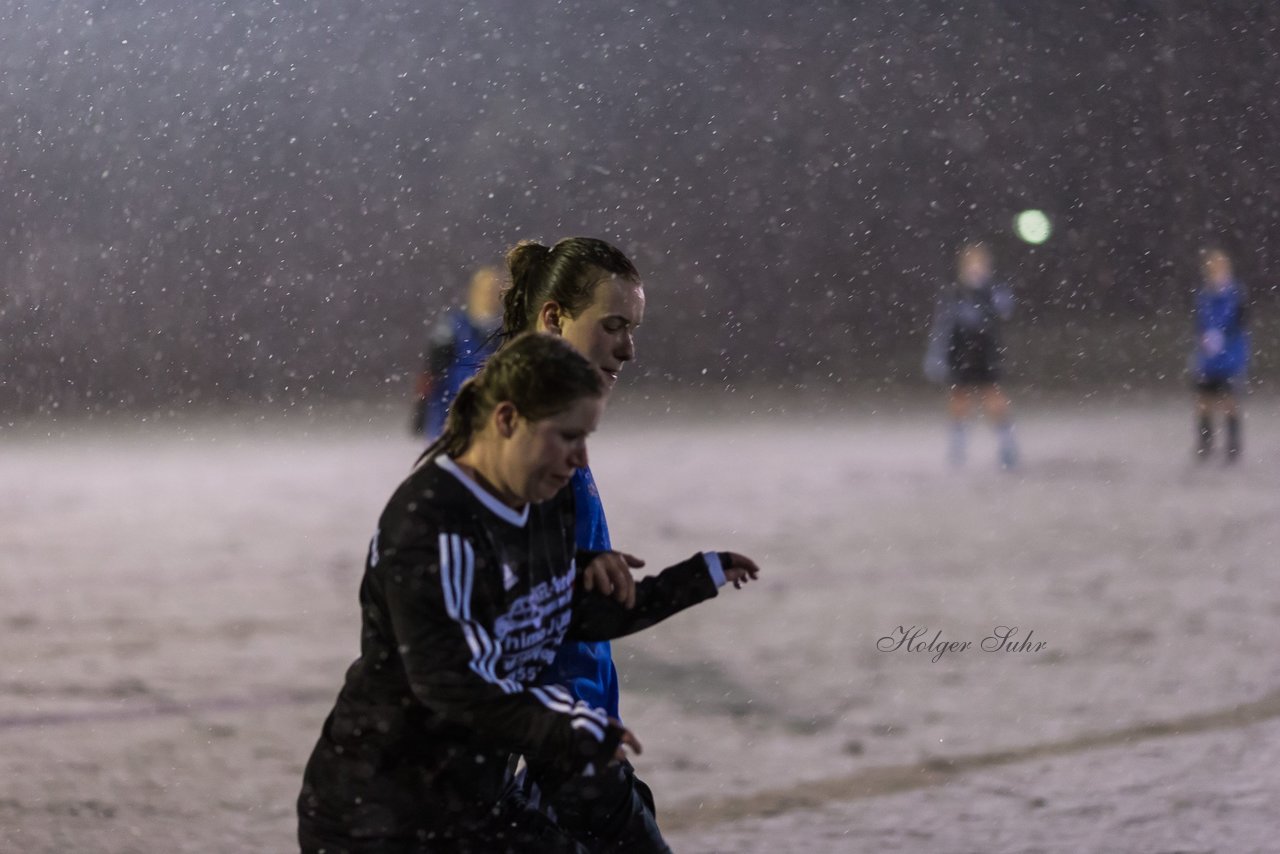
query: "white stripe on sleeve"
549, 700
457, 580
590, 726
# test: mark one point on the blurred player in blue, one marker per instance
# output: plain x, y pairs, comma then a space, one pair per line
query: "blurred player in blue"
965, 351
459, 343
588, 292
1221, 353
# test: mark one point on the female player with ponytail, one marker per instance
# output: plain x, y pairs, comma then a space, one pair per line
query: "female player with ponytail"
471, 584
589, 293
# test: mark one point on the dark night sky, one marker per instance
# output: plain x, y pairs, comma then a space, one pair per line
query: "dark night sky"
266, 201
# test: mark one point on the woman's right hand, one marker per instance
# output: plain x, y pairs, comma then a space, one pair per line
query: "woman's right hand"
609, 573
629, 740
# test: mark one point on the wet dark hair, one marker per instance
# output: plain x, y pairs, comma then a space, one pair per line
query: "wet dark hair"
566, 273
541, 374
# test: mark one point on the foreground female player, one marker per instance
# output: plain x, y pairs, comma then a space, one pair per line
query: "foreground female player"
470, 585
589, 293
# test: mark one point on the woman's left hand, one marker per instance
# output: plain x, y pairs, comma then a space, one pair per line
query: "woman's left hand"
738, 568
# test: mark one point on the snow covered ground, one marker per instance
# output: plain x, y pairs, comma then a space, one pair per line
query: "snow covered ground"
177, 607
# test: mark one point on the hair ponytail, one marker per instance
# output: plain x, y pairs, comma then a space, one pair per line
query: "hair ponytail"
460, 425
526, 261
566, 274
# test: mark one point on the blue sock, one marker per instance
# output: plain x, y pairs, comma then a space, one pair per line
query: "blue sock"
956, 444
1008, 445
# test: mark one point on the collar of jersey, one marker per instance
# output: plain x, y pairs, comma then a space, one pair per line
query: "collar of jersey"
483, 495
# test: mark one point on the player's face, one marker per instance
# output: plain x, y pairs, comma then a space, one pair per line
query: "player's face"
1217, 270
975, 266
543, 454
604, 330
485, 297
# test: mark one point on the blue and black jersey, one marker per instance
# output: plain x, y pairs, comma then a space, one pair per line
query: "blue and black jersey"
965, 346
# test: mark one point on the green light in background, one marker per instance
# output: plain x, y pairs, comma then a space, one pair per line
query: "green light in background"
1032, 226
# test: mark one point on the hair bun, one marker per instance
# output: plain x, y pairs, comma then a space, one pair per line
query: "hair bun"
524, 258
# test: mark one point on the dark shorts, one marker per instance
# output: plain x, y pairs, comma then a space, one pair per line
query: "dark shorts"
973, 358
1218, 386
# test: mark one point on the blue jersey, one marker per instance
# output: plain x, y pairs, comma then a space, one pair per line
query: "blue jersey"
458, 349
586, 669
1222, 348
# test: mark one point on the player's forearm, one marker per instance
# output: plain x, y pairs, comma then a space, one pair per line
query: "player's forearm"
598, 617
542, 722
